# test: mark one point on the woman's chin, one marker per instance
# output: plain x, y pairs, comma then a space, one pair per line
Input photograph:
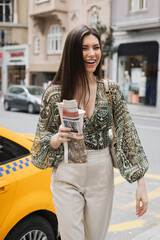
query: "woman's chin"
91, 70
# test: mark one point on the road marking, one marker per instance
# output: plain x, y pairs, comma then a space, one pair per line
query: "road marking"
118, 180
151, 195
137, 223
116, 170
126, 225
157, 177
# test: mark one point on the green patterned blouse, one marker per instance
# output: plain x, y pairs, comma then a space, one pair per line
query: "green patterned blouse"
130, 153
96, 128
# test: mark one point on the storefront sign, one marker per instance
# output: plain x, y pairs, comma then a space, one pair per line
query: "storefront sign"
18, 60
17, 54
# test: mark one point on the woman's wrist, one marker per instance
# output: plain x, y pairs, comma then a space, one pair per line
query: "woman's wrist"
141, 181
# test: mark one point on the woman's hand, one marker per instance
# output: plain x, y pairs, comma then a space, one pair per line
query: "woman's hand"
63, 135
141, 198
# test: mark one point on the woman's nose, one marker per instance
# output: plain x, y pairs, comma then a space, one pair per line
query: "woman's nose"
91, 52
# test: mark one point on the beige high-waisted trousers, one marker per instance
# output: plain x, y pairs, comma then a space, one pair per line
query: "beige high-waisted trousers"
83, 195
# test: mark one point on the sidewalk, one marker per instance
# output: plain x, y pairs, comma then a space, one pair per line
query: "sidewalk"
151, 234
144, 111
137, 110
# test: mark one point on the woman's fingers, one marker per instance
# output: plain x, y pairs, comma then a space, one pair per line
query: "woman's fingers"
65, 135
64, 129
140, 213
140, 210
141, 198
62, 139
64, 132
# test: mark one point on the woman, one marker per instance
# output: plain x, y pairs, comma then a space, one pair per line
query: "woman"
83, 193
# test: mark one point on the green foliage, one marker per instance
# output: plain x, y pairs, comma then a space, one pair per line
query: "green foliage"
101, 28
107, 44
2, 43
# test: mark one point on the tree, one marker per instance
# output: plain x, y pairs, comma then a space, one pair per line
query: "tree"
107, 40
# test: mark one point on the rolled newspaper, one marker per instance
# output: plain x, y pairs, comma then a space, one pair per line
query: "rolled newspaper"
71, 116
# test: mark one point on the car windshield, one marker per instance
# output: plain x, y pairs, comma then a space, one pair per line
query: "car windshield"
36, 91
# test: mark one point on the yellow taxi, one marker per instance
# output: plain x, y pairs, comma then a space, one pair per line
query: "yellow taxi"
26, 208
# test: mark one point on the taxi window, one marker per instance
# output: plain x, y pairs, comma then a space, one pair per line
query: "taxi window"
10, 150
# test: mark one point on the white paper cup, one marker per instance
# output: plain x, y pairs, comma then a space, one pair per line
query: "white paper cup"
81, 115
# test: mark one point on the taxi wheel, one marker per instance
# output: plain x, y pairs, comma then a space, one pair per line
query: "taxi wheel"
33, 227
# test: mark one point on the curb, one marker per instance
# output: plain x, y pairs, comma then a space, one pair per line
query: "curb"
136, 111
144, 111
143, 114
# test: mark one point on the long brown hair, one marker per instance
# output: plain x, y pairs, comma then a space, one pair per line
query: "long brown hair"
72, 68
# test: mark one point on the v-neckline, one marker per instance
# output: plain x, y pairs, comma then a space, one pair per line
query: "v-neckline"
94, 105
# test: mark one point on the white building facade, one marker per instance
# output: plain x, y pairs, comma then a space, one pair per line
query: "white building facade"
15, 66
13, 37
49, 23
136, 65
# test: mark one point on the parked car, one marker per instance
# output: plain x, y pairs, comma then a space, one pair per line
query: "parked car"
27, 98
26, 207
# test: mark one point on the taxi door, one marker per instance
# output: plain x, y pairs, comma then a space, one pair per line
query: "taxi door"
9, 152
7, 190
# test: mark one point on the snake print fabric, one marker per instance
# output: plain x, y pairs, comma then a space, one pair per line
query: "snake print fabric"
132, 161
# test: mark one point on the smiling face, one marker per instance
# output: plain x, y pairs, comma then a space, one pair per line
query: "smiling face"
91, 53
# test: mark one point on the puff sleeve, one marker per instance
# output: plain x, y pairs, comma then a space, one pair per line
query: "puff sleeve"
43, 155
132, 161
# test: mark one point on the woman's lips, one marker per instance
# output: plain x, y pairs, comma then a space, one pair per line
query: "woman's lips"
90, 63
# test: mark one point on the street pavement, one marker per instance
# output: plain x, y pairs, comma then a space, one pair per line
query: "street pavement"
153, 112
153, 233
137, 110
144, 111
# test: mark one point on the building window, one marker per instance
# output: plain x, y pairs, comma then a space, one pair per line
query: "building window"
2, 38
136, 5
137, 72
5, 11
54, 39
36, 45
94, 17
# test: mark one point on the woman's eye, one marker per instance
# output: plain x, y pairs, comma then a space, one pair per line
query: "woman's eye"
93, 48
96, 48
